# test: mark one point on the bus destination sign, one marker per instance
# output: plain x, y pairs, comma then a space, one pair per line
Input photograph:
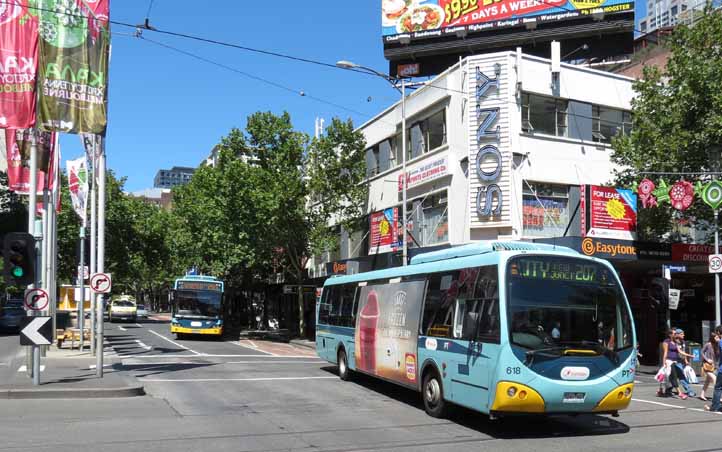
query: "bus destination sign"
199, 285
570, 270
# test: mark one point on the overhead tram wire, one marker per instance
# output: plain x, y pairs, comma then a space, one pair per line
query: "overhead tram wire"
255, 77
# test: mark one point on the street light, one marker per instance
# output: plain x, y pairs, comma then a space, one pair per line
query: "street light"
343, 64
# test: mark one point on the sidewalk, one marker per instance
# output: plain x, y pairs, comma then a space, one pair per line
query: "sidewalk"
304, 343
69, 374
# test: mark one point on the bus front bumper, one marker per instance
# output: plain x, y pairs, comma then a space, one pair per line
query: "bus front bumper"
214, 331
512, 397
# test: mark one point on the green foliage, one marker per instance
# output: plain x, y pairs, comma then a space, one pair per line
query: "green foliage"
677, 120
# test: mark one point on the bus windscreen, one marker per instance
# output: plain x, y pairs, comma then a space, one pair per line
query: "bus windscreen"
200, 303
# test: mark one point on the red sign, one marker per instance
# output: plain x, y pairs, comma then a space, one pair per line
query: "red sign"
18, 65
18, 157
384, 231
611, 212
685, 252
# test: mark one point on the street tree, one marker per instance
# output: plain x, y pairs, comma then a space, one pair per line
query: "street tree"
677, 121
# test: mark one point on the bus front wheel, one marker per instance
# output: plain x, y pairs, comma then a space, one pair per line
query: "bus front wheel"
433, 394
343, 371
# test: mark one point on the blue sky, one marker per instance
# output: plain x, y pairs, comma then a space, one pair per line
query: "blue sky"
169, 109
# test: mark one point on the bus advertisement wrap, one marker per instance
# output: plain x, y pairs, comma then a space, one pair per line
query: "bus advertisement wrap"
387, 323
438, 18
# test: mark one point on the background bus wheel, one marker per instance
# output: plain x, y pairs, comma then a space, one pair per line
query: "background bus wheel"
343, 371
433, 395
179, 336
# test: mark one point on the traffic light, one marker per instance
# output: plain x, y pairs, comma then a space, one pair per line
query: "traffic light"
19, 258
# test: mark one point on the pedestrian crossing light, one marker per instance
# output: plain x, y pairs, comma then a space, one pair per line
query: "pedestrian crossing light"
19, 258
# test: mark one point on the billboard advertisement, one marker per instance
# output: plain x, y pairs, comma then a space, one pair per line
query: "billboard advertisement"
384, 231
418, 19
18, 143
610, 212
387, 326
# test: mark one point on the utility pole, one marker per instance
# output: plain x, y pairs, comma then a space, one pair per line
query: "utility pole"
100, 262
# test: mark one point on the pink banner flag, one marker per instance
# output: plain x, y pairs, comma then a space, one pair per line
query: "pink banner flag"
18, 64
18, 144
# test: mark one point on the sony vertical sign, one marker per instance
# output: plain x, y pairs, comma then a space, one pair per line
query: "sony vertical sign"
488, 159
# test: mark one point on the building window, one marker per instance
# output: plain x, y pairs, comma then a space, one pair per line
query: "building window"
429, 220
674, 10
541, 114
380, 157
643, 26
609, 122
426, 135
372, 161
545, 209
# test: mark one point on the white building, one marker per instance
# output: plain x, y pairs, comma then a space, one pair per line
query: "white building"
494, 145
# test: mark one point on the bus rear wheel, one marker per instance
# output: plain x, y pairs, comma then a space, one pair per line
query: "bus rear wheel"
433, 394
343, 371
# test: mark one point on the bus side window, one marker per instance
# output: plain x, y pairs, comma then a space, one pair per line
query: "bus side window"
486, 289
335, 299
439, 305
347, 312
324, 307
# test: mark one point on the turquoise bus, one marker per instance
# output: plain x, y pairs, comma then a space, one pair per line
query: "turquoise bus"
499, 327
197, 306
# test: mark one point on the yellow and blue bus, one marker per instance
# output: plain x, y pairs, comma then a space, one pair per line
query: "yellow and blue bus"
197, 306
499, 327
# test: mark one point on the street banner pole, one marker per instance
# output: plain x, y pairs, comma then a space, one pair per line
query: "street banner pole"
100, 262
93, 238
32, 207
81, 277
44, 247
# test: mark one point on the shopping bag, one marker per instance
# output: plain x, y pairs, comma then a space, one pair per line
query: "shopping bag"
690, 375
661, 376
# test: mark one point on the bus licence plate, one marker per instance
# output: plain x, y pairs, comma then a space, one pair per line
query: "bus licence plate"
574, 397
196, 324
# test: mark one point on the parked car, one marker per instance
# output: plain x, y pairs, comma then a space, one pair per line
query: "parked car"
11, 316
142, 312
123, 309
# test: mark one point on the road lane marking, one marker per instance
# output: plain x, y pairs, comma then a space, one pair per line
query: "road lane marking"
238, 343
139, 325
201, 380
174, 342
93, 366
675, 406
141, 344
23, 368
122, 329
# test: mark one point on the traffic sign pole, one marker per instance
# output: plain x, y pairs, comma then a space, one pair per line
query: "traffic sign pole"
100, 260
81, 276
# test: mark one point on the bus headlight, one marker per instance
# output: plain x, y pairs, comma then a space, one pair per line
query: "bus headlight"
513, 397
617, 399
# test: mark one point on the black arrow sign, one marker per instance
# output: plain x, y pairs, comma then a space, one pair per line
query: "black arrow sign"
36, 331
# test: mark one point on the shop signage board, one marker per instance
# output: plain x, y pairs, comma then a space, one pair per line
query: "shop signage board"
426, 171
687, 252
613, 249
610, 212
384, 231
489, 138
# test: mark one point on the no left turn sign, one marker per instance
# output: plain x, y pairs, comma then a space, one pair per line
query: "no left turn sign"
100, 282
715, 263
36, 299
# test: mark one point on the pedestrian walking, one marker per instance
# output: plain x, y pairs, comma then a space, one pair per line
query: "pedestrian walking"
670, 355
710, 358
716, 404
682, 362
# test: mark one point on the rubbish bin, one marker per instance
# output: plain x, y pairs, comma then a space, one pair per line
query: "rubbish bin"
695, 350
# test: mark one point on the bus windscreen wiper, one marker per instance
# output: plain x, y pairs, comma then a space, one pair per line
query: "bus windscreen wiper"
547, 351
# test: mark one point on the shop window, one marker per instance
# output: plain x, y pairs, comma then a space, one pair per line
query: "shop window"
546, 115
429, 218
472, 291
545, 209
426, 135
609, 122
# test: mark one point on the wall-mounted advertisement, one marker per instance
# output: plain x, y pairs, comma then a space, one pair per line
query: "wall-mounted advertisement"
424, 172
419, 19
610, 212
387, 326
384, 231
